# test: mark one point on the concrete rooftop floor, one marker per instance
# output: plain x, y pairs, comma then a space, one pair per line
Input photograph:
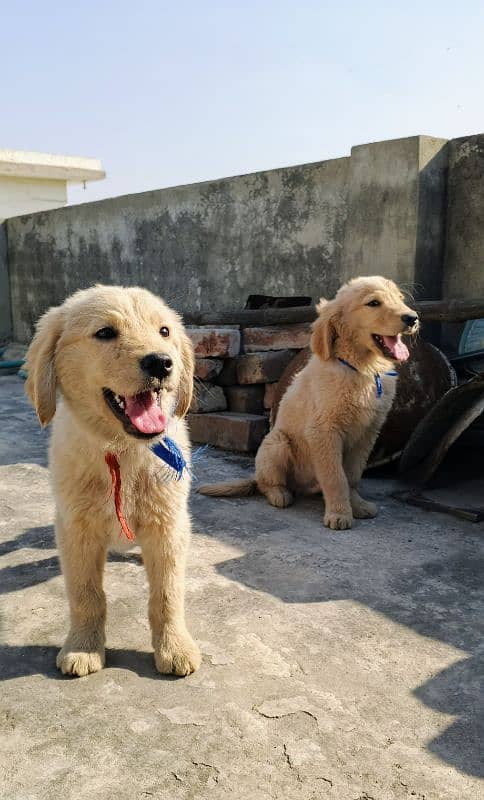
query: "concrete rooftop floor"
344, 665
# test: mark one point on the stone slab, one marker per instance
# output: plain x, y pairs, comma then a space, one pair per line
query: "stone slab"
207, 397
214, 342
229, 431
245, 399
262, 367
208, 368
277, 337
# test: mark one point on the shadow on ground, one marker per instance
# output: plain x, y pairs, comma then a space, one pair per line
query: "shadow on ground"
20, 662
386, 568
22, 576
439, 598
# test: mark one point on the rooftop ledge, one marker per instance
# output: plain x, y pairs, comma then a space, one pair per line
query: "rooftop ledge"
23, 164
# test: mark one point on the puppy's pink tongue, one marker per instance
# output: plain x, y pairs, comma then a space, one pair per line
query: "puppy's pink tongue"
397, 348
145, 413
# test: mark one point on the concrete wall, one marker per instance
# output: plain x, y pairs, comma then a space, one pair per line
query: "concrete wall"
464, 258
204, 246
5, 315
411, 209
463, 269
396, 212
25, 195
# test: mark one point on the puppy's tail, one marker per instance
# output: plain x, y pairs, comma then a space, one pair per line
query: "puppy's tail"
241, 488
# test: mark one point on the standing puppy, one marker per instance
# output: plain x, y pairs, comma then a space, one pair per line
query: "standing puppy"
122, 366
331, 414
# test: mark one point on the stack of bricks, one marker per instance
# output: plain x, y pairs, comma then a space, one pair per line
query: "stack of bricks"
236, 372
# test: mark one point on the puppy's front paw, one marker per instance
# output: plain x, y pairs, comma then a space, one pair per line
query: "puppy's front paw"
79, 662
177, 654
338, 520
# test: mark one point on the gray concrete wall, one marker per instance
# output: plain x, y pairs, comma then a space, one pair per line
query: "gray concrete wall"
464, 258
396, 204
204, 246
463, 269
411, 209
5, 309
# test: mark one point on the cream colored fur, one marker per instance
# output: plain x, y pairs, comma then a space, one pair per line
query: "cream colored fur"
66, 360
330, 416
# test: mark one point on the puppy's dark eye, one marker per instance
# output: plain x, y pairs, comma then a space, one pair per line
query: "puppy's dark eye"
105, 333
164, 331
374, 303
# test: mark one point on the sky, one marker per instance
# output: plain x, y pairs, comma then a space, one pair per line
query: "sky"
173, 93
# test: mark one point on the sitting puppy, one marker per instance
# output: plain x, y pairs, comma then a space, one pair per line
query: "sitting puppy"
331, 414
123, 367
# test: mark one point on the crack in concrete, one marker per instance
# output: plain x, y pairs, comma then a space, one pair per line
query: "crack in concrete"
207, 766
285, 713
291, 765
203, 764
287, 756
289, 762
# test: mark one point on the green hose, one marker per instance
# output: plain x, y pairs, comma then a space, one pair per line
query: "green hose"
12, 364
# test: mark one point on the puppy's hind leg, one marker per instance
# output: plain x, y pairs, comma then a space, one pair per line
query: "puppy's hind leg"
272, 466
83, 556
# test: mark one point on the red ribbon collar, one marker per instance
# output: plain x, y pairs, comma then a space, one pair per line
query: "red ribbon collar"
113, 465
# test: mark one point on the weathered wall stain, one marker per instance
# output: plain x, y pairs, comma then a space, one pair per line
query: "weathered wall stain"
299, 230
203, 246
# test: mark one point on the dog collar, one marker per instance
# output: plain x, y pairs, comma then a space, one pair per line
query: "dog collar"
378, 383
168, 451
113, 466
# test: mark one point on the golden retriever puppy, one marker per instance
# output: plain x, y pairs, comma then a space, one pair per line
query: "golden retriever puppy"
122, 367
331, 414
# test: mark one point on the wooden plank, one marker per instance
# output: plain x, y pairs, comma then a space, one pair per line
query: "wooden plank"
449, 310
428, 504
252, 317
428, 310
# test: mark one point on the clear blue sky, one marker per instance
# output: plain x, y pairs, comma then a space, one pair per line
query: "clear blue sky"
172, 93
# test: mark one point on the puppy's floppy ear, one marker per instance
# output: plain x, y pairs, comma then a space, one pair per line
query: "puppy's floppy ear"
185, 389
324, 329
42, 380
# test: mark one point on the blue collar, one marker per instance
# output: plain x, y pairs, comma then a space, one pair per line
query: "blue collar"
378, 383
170, 453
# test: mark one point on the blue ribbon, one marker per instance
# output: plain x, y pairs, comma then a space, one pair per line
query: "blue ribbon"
379, 386
347, 364
170, 453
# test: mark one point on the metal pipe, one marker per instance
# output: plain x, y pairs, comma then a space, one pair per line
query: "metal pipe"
12, 364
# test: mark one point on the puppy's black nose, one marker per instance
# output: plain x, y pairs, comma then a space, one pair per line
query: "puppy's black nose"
157, 365
409, 319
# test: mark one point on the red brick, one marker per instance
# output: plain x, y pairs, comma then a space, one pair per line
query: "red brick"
241, 432
215, 342
245, 399
278, 337
269, 394
207, 397
263, 367
208, 368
